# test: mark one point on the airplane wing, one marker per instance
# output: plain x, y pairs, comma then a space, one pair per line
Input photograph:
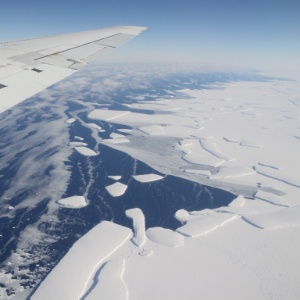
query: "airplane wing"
30, 66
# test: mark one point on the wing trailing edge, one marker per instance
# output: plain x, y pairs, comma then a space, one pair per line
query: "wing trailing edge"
30, 66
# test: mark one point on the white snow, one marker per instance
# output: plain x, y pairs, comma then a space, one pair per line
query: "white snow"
85, 151
72, 202
116, 189
147, 177
69, 280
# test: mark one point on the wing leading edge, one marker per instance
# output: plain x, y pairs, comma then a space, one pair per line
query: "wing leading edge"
29, 66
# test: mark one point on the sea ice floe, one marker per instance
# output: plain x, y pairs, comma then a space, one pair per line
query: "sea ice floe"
93, 125
138, 220
69, 279
204, 224
115, 177
78, 138
72, 202
237, 202
182, 216
147, 177
165, 237
85, 151
125, 130
286, 217
70, 121
77, 144
117, 189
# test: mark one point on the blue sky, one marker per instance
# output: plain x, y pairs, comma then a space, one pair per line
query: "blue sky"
262, 34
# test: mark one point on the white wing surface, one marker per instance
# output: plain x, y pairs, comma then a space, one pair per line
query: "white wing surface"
29, 66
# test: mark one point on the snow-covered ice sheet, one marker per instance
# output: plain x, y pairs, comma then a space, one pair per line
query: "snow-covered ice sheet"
241, 136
